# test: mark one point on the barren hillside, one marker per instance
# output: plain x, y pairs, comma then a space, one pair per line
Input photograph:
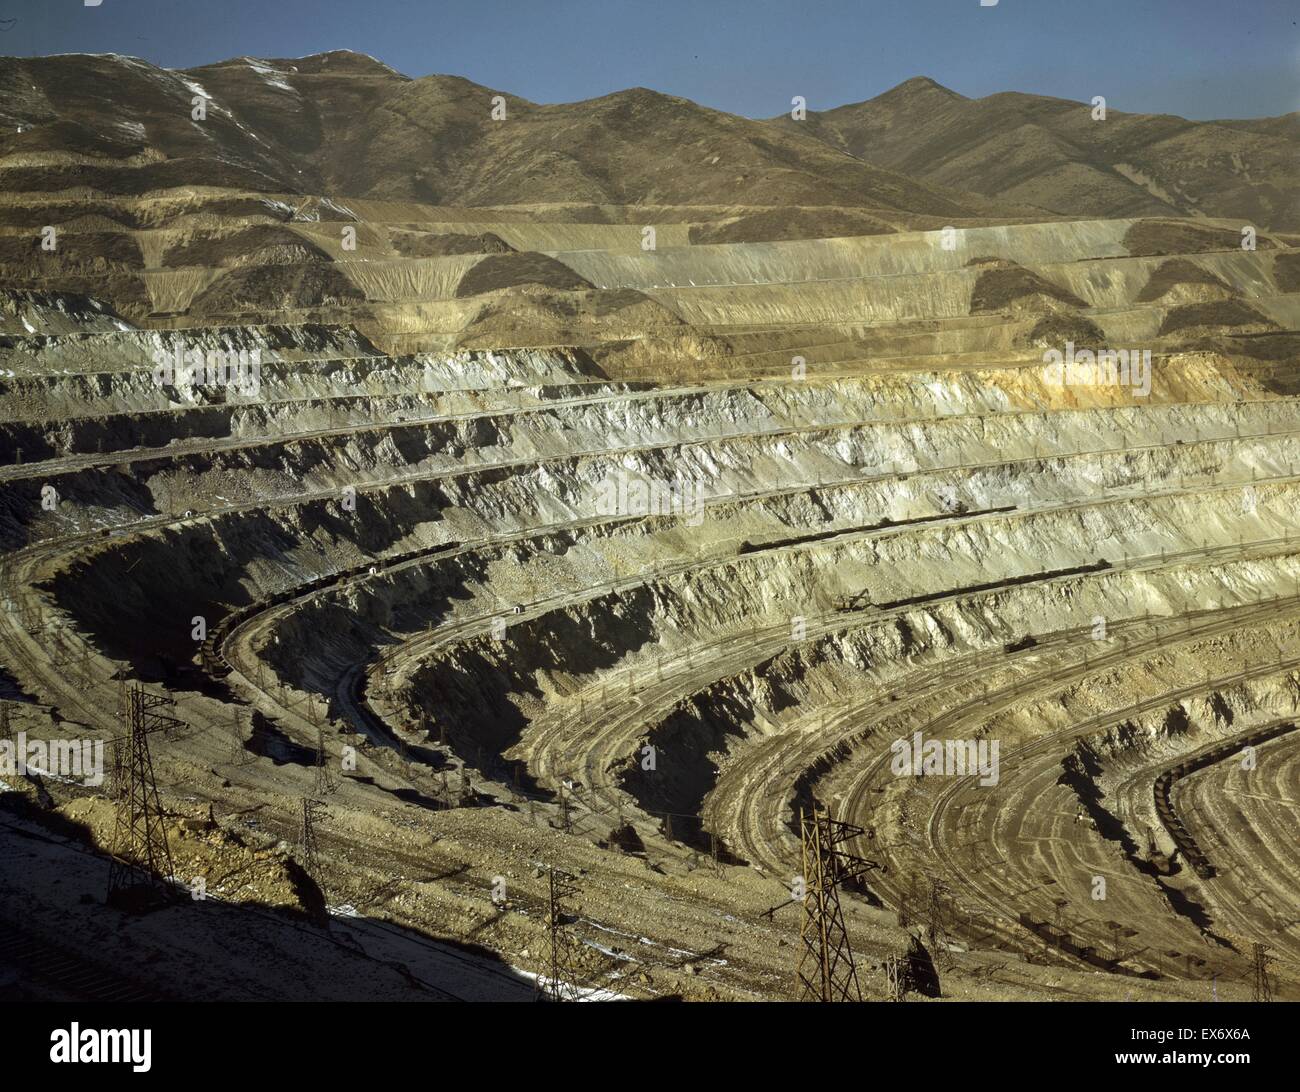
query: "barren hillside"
1053, 154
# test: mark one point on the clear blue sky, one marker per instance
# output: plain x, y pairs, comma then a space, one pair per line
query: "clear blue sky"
1198, 58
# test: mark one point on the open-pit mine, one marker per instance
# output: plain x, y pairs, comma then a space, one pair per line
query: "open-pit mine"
620, 549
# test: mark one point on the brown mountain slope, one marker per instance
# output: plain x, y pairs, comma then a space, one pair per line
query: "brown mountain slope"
345, 124
1050, 152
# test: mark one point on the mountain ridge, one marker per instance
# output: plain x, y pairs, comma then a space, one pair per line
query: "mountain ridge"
1051, 153
347, 124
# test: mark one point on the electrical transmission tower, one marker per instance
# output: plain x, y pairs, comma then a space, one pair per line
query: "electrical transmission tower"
119, 750
142, 862
825, 970
936, 932
894, 985
325, 783
1260, 989
310, 856
563, 982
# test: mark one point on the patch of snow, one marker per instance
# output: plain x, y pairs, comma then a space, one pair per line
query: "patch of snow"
608, 951
377, 61
101, 56
585, 993
272, 76
56, 777
608, 929
336, 207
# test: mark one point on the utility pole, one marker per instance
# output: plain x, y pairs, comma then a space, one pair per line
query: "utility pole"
563, 982
936, 932
1260, 988
324, 779
910, 901
894, 989
566, 822
120, 748
1114, 927
307, 836
141, 866
825, 969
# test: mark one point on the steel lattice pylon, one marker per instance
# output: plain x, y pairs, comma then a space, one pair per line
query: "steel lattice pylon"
1261, 988
325, 783
825, 970
307, 835
563, 982
119, 750
142, 866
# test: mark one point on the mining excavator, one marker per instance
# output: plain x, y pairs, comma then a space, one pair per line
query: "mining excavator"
854, 602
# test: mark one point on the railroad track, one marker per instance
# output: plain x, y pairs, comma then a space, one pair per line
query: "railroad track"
1164, 783
423, 643
938, 820
69, 974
